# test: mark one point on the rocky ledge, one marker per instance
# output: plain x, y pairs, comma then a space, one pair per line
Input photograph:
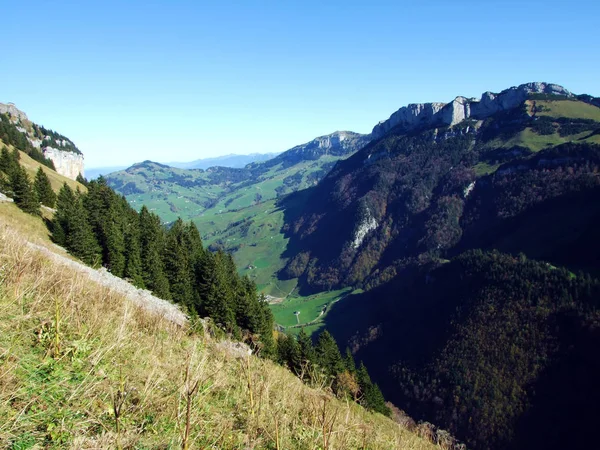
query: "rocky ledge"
421, 115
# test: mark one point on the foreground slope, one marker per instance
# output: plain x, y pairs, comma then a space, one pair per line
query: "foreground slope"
82, 367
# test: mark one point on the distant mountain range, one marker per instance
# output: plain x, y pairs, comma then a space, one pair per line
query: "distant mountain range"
231, 160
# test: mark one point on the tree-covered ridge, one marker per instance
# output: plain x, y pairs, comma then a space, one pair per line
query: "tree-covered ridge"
53, 139
404, 195
499, 349
10, 135
101, 228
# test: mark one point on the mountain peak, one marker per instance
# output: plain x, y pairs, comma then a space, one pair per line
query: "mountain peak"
419, 115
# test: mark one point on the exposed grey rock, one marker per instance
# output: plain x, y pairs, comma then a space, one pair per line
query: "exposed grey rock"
68, 164
10, 108
420, 115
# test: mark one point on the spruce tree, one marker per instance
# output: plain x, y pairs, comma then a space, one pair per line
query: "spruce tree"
349, 361
80, 239
133, 257
43, 188
328, 354
114, 237
216, 290
307, 352
81, 179
178, 266
152, 242
8, 160
23, 193
60, 222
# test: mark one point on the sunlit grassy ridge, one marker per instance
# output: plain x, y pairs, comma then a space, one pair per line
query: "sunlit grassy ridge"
81, 367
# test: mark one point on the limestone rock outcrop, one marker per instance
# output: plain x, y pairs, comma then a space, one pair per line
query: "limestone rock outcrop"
68, 164
10, 108
67, 160
422, 115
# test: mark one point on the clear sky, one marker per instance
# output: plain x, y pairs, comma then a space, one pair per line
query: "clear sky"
182, 80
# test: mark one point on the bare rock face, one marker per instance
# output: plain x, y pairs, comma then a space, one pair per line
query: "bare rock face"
420, 115
10, 108
68, 164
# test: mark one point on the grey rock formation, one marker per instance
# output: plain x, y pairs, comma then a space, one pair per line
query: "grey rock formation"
422, 115
338, 144
68, 164
10, 108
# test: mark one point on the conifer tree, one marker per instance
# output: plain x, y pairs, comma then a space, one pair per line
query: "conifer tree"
216, 290
288, 353
328, 354
349, 361
307, 352
114, 237
371, 396
152, 241
80, 239
71, 227
133, 257
43, 188
23, 193
178, 267
81, 179
60, 222
8, 160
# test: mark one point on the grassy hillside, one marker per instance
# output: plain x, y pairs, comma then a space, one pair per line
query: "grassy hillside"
32, 166
81, 367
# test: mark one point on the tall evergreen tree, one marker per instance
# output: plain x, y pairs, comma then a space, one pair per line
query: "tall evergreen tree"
71, 227
81, 240
328, 354
178, 266
152, 244
8, 160
133, 256
60, 222
349, 361
23, 193
43, 188
308, 356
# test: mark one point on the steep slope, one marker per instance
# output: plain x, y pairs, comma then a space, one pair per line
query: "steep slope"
43, 145
408, 195
84, 368
497, 347
500, 350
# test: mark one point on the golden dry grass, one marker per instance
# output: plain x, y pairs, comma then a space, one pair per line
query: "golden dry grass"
82, 368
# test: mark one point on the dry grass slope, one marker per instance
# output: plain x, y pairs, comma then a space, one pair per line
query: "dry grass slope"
82, 368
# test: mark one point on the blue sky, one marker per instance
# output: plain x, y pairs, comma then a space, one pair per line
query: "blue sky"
182, 80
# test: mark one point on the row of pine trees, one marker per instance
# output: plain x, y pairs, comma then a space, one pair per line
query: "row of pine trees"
102, 229
324, 364
15, 183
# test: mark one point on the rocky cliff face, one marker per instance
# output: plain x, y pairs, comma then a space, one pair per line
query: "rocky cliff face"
337, 144
67, 158
10, 108
68, 164
422, 115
